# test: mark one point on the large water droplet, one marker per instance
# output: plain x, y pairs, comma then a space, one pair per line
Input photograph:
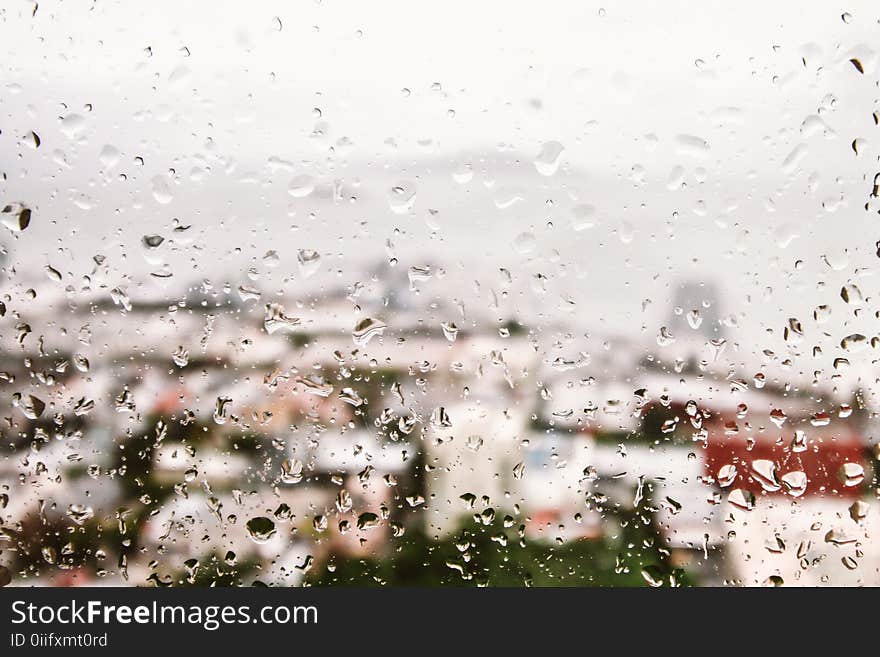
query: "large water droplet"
402, 197
367, 329
851, 474
301, 186
16, 217
261, 529
309, 262
547, 160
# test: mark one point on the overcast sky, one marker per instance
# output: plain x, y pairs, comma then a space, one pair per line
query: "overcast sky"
712, 140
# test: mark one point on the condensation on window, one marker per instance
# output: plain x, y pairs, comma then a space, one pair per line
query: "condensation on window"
471, 294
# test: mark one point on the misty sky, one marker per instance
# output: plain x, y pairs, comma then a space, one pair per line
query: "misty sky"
712, 142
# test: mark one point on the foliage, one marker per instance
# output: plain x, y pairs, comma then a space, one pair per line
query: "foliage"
475, 555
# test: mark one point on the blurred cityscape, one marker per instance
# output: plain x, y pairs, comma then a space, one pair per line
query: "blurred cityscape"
370, 294
224, 438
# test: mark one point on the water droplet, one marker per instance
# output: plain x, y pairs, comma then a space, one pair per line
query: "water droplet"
583, 217
795, 483
301, 186
851, 294
849, 562
653, 576
440, 418
16, 217
152, 241
547, 160
851, 474
180, 356
316, 386
726, 475
32, 140
778, 417
261, 529
72, 125
525, 243
742, 499
463, 174
109, 156
162, 190
506, 196
366, 330
858, 511
52, 273
402, 197
276, 319
418, 274
309, 262
32, 407
665, 337
80, 513
350, 397
764, 472
854, 343
450, 331
221, 410
839, 537
367, 520
291, 471
794, 158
